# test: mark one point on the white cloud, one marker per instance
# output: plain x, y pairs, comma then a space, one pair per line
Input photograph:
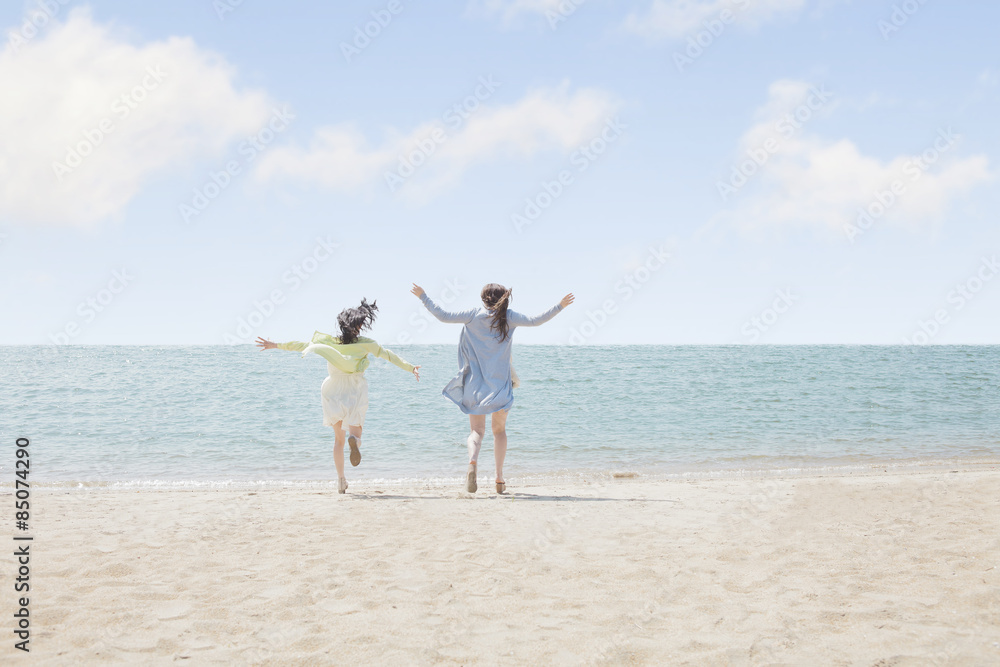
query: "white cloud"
340, 157
509, 10
676, 19
808, 181
70, 80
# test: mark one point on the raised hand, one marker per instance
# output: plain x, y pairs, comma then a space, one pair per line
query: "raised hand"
566, 300
264, 344
417, 290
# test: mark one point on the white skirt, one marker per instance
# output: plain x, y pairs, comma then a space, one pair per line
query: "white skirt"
345, 398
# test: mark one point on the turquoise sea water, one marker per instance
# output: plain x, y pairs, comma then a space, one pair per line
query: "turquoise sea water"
164, 416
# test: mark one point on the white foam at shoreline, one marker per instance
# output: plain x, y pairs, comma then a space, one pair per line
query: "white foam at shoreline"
567, 477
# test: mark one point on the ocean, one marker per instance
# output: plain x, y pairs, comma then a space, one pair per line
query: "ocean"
166, 417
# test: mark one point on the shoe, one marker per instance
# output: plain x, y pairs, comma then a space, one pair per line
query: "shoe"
342, 485
501, 487
352, 441
470, 479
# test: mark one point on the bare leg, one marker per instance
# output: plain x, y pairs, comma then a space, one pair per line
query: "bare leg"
338, 448
498, 422
354, 441
477, 426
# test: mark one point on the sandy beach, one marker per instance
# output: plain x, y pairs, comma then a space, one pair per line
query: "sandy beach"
873, 569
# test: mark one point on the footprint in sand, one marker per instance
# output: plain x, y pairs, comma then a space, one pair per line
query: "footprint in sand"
173, 611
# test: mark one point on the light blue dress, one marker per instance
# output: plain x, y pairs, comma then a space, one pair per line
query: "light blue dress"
483, 384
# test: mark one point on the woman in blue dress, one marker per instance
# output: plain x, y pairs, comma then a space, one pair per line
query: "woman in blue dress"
484, 384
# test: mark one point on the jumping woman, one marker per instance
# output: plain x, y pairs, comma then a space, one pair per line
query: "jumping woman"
484, 384
345, 390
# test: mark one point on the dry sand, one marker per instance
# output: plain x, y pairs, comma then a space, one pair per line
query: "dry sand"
887, 569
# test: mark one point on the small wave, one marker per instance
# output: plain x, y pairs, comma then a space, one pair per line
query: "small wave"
568, 477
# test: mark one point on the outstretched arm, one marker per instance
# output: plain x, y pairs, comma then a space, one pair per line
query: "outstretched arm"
292, 346
437, 311
394, 359
518, 320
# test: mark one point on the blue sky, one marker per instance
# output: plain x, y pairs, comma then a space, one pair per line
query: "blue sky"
650, 112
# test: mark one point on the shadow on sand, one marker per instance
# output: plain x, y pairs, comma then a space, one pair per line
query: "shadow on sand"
509, 496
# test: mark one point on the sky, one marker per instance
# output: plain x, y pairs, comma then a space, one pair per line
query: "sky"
714, 172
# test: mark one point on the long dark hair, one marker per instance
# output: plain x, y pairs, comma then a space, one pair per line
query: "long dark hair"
353, 321
496, 298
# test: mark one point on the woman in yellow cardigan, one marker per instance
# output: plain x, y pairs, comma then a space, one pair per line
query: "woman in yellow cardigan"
345, 389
